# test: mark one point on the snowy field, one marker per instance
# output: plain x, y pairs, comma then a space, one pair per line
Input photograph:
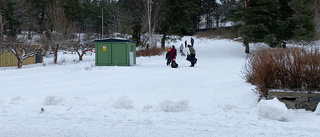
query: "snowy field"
146, 100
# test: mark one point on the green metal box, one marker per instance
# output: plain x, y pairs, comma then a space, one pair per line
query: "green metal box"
115, 52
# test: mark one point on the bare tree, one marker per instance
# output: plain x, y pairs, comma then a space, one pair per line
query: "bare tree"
19, 44
83, 45
117, 17
60, 30
150, 15
21, 48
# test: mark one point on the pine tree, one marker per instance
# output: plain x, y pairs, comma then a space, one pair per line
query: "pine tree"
304, 17
210, 8
73, 10
269, 21
12, 17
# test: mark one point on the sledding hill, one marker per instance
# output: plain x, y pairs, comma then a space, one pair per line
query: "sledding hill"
149, 99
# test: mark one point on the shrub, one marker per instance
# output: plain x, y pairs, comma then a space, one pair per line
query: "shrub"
295, 69
149, 52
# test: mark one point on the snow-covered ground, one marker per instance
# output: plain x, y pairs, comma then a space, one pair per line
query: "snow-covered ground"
146, 100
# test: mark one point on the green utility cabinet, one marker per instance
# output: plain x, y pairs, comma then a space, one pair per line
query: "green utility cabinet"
115, 52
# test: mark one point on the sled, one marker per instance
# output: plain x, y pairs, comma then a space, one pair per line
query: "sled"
174, 64
191, 59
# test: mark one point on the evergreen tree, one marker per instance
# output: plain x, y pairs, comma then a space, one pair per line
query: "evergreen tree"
211, 12
89, 14
304, 17
73, 10
194, 11
179, 17
11, 16
131, 21
267, 21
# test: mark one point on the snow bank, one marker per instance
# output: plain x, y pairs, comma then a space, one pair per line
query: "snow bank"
317, 111
272, 109
123, 102
171, 106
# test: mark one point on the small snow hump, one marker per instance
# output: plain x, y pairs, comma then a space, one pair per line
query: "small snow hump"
272, 109
171, 106
123, 102
52, 100
317, 111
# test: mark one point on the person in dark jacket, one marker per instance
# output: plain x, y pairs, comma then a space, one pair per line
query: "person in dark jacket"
185, 43
168, 57
193, 55
173, 53
192, 41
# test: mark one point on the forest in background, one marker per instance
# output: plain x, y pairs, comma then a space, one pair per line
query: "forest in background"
125, 17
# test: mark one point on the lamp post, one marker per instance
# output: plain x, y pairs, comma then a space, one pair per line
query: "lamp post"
102, 25
149, 21
1, 31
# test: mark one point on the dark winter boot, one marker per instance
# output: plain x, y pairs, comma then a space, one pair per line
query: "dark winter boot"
192, 64
168, 62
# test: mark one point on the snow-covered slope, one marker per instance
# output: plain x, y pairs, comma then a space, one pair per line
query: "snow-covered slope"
149, 99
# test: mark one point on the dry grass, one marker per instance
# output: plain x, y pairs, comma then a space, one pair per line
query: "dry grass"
150, 52
295, 69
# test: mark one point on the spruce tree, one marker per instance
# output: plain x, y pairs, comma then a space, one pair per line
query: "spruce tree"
304, 17
267, 21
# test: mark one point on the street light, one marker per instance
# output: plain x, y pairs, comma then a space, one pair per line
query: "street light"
149, 20
1, 31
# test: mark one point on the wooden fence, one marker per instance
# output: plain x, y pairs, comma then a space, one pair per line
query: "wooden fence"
9, 59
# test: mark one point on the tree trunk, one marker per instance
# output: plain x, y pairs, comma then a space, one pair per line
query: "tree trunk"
247, 48
20, 61
284, 44
80, 55
163, 41
217, 21
56, 54
246, 44
29, 34
1, 27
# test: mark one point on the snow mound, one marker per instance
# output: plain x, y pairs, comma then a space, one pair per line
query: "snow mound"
317, 111
272, 109
123, 102
171, 106
52, 100
17, 98
147, 107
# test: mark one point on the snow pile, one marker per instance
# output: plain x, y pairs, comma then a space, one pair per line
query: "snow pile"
317, 111
172, 106
17, 98
272, 109
123, 102
52, 100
